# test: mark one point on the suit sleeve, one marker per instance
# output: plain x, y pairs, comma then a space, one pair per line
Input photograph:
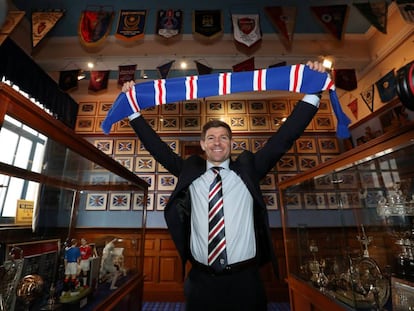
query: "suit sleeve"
156, 146
280, 142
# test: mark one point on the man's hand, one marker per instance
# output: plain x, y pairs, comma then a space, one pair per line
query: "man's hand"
317, 66
127, 86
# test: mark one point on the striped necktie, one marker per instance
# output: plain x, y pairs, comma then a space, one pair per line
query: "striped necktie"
217, 256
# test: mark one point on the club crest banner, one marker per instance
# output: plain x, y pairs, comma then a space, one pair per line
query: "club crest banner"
131, 25
208, 23
99, 80
12, 19
169, 23
375, 12
386, 87
126, 73
368, 97
333, 18
246, 28
284, 19
42, 23
68, 79
94, 26
406, 8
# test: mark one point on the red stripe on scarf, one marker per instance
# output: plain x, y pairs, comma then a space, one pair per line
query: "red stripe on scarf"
133, 100
296, 78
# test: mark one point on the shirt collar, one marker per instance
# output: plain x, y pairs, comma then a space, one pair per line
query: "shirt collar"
224, 164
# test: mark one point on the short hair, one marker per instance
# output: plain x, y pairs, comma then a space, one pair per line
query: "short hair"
215, 123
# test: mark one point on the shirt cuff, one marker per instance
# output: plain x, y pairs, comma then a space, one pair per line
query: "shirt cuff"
312, 99
134, 116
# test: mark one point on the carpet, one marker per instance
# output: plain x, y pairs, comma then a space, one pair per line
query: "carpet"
180, 306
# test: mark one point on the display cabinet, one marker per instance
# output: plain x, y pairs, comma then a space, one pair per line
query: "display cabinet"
349, 228
45, 179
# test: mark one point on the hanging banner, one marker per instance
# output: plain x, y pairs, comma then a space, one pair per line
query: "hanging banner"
246, 29
203, 69
169, 23
164, 70
284, 19
247, 65
68, 80
126, 73
345, 79
375, 12
386, 87
99, 80
207, 24
94, 27
12, 19
368, 97
333, 18
406, 8
43, 22
131, 25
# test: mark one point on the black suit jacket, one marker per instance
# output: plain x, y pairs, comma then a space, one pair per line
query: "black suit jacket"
251, 167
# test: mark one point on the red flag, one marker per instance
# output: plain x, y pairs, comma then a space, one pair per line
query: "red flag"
98, 81
247, 65
94, 26
332, 17
353, 106
284, 19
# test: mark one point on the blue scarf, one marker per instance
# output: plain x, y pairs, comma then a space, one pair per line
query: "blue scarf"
296, 78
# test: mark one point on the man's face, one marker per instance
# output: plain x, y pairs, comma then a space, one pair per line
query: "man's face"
216, 144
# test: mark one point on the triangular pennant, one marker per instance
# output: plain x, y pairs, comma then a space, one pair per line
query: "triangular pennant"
43, 22
345, 79
368, 97
165, 69
99, 80
94, 26
68, 79
332, 17
353, 106
131, 25
247, 65
375, 12
169, 23
246, 29
386, 87
207, 24
12, 19
126, 73
284, 19
203, 69
406, 8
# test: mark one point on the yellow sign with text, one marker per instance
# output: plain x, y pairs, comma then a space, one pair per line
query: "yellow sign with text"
24, 212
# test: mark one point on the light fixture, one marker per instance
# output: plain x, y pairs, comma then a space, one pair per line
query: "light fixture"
143, 75
91, 65
327, 63
183, 65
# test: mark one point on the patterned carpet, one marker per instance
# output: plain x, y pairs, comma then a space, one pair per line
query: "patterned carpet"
179, 306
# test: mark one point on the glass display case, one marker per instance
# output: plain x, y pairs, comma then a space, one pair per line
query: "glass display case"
349, 227
46, 172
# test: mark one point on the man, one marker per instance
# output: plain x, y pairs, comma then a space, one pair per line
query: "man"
245, 241
72, 260
86, 254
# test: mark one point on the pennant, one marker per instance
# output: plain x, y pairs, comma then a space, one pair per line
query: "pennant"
99, 80
131, 25
368, 97
333, 18
169, 23
208, 24
12, 19
345, 79
375, 12
126, 73
203, 69
94, 27
165, 69
68, 80
284, 19
353, 106
386, 87
3, 11
406, 8
247, 65
43, 22
246, 29
280, 64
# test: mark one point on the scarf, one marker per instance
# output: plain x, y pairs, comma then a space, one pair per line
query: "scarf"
297, 78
